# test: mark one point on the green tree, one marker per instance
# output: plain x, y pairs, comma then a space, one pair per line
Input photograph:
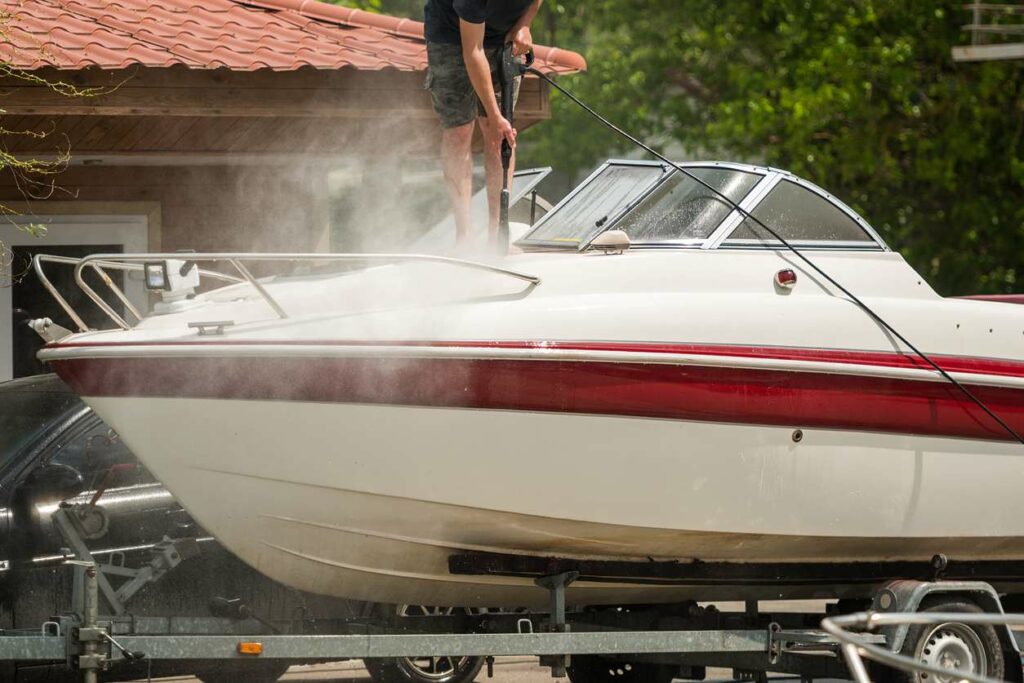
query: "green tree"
861, 98
36, 178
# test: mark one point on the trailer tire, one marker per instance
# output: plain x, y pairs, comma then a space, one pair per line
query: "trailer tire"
420, 669
930, 642
229, 672
594, 669
406, 670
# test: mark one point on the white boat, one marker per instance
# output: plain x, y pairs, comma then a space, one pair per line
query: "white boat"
701, 394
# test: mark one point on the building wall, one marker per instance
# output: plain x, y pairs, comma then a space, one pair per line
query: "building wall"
278, 207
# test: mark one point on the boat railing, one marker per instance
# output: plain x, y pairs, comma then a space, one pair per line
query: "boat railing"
849, 630
101, 263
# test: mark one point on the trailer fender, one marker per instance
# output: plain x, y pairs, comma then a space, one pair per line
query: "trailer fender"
907, 596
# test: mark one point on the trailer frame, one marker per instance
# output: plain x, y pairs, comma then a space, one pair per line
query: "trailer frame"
687, 637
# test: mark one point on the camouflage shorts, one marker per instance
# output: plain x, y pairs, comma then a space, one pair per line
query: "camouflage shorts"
453, 96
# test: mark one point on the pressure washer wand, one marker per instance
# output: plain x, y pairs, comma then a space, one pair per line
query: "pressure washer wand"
509, 69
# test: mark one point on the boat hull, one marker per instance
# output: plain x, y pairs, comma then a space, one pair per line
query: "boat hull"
370, 500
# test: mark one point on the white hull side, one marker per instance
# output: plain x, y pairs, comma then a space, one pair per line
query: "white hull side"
369, 501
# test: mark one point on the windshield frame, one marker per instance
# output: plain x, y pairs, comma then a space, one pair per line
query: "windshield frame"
874, 241
770, 177
527, 243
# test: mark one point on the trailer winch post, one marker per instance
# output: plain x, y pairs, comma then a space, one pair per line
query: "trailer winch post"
88, 637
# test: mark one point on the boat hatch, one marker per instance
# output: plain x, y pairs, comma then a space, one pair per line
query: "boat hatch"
656, 206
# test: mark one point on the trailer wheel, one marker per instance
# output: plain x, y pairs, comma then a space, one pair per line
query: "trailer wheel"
442, 669
594, 669
424, 669
226, 672
951, 645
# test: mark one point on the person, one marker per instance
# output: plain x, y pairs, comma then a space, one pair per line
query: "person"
464, 43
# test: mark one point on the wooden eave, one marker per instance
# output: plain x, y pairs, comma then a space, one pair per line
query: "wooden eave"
180, 110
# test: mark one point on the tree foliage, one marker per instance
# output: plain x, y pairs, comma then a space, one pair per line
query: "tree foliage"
34, 177
862, 98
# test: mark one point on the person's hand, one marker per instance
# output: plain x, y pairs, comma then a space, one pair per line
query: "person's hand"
505, 131
522, 41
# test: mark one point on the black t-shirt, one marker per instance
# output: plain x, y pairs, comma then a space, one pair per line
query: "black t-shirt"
441, 18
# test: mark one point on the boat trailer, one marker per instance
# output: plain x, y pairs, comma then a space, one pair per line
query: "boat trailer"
678, 641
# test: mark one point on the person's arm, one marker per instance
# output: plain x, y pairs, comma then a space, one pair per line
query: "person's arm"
480, 76
519, 35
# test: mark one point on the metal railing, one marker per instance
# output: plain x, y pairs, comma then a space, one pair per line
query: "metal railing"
988, 19
100, 263
846, 629
991, 24
100, 266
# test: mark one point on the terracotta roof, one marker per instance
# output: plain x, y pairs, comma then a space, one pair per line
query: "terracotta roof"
241, 35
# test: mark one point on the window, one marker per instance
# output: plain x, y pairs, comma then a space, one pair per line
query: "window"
587, 212
684, 209
91, 234
799, 215
26, 416
93, 451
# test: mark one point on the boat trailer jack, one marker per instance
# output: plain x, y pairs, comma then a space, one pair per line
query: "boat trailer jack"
165, 556
556, 585
86, 641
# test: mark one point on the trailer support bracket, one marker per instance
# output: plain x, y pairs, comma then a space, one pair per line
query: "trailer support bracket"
556, 585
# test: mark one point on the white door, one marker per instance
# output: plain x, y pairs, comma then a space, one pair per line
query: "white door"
21, 294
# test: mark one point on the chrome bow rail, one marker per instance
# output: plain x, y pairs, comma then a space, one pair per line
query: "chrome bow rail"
848, 630
100, 263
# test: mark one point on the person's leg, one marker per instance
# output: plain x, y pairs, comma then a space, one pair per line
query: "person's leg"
457, 164
455, 103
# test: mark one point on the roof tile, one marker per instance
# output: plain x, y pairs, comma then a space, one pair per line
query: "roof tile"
244, 35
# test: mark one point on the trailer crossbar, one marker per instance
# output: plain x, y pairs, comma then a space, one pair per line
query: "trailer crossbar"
35, 647
336, 647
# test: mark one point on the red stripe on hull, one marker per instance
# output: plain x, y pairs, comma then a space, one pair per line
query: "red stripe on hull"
886, 359
736, 395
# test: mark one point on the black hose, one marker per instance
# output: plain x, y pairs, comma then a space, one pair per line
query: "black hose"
747, 215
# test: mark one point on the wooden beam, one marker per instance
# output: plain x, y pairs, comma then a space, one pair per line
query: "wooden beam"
159, 77
995, 7
345, 94
212, 136
221, 102
1006, 29
987, 53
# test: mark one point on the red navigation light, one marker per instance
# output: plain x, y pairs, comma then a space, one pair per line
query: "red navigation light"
785, 278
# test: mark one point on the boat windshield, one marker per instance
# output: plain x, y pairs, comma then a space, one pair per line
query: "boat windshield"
656, 205
683, 210
801, 216
594, 205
